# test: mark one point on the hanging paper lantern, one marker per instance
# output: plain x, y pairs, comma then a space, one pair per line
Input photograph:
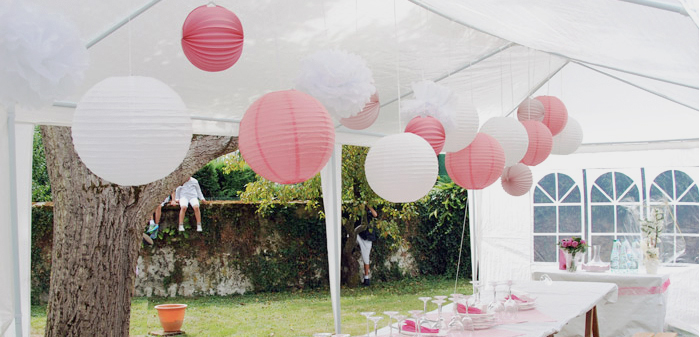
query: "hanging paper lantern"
555, 114
540, 143
366, 117
131, 130
430, 129
478, 165
42, 55
466, 126
341, 81
569, 139
286, 136
517, 179
511, 134
212, 38
401, 167
531, 110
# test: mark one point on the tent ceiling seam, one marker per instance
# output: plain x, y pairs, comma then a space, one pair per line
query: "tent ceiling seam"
539, 85
459, 69
636, 86
121, 23
446, 16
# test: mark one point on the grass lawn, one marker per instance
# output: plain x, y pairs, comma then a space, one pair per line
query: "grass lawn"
282, 314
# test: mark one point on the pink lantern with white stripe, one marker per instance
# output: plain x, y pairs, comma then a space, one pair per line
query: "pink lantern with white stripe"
212, 38
540, 145
555, 114
430, 129
364, 118
517, 179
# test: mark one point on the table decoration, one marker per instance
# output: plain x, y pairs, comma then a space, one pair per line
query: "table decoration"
651, 229
571, 247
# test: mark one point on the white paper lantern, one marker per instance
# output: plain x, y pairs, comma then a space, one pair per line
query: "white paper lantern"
401, 167
517, 179
511, 134
531, 110
131, 130
466, 119
569, 139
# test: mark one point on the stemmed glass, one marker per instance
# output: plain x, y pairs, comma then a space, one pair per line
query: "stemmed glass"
367, 314
399, 319
546, 279
425, 302
475, 301
418, 317
391, 315
468, 325
375, 319
511, 307
323, 334
440, 324
495, 306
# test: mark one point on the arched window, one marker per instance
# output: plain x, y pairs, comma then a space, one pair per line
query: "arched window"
677, 193
557, 214
615, 204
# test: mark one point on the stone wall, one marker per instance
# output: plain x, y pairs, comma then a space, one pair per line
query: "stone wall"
238, 251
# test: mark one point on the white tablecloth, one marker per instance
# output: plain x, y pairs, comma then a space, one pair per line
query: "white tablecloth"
641, 306
563, 301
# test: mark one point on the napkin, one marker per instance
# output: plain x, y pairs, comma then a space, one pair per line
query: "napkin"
521, 299
461, 308
410, 326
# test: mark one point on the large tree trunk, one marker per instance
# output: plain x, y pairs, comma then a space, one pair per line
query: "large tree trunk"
350, 269
97, 235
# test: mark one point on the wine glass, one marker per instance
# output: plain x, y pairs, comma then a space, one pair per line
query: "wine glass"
322, 334
391, 315
418, 317
375, 319
425, 302
399, 320
468, 325
546, 279
455, 328
367, 314
510, 306
495, 307
440, 324
475, 301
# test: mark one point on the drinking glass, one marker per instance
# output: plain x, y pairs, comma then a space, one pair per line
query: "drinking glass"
510, 306
399, 320
495, 306
391, 315
546, 279
342, 335
418, 317
367, 314
375, 319
468, 325
322, 334
455, 328
440, 324
425, 302
475, 301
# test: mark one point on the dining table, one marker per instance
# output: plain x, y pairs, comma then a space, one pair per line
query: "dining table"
556, 304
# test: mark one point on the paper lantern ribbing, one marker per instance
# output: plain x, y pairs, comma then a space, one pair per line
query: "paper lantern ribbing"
517, 179
366, 117
569, 139
540, 143
467, 125
286, 136
212, 38
430, 129
131, 130
531, 110
511, 134
401, 167
478, 165
555, 114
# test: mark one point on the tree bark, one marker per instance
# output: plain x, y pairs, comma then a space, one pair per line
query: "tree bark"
97, 234
350, 270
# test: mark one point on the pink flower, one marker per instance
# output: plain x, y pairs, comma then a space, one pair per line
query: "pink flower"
583, 242
574, 244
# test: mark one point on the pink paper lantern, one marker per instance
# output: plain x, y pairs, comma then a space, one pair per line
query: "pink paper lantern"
430, 129
286, 136
531, 110
212, 38
478, 165
540, 145
555, 114
517, 179
364, 118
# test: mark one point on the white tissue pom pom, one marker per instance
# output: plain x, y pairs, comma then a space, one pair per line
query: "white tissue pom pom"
42, 57
339, 80
431, 99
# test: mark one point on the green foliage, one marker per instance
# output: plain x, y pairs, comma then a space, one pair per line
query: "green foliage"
42, 236
41, 186
221, 180
436, 244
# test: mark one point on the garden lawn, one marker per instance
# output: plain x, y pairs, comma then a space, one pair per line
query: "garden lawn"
283, 314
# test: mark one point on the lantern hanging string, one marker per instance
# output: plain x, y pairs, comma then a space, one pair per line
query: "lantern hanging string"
398, 73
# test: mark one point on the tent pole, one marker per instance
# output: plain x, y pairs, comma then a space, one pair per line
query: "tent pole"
331, 186
472, 235
121, 23
13, 218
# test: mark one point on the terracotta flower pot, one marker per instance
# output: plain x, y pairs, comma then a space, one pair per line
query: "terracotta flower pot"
171, 316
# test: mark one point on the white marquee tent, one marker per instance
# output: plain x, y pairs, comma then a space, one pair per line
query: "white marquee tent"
626, 69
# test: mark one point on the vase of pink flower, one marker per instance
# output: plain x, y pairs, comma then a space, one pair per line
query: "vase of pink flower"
573, 249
